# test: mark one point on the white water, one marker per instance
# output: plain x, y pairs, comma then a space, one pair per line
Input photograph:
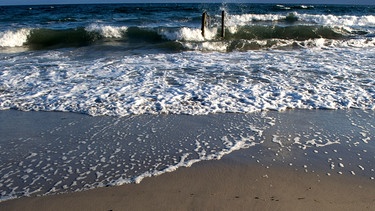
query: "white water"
107, 31
189, 82
326, 20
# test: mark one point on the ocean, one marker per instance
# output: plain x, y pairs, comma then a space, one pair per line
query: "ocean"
126, 62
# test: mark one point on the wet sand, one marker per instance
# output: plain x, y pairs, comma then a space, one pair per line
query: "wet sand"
303, 160
218, 185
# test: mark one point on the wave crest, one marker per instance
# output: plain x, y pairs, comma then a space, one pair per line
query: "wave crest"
325, 20
107, 31
15, 38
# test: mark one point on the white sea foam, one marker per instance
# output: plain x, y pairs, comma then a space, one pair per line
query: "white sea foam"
188, 34
14, 38
206, 46
245, 19
334, 20
107, 31
234, 145
192, 82
327, 20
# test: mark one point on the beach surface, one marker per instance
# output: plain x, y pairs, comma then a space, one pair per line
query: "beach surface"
292, 160
218, 185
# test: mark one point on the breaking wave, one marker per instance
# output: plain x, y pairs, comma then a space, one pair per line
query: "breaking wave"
243, 32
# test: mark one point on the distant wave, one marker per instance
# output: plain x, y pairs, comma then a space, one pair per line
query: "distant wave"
292, 7
325, 20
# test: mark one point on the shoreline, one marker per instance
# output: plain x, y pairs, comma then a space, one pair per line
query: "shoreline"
289, 160
218, 185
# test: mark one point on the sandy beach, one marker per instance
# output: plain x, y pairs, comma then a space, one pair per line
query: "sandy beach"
271, 172
218, 185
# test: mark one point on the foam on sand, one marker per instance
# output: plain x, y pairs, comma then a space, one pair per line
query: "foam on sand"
59, 152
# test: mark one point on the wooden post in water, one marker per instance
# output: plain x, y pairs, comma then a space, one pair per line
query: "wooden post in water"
223, 24
204, 22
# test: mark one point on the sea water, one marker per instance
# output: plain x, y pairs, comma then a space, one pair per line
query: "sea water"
121, 60
124, 60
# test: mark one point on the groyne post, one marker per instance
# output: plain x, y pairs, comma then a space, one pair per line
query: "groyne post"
204, 22
223, 24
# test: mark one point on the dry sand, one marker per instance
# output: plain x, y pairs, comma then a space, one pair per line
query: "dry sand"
218, 185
